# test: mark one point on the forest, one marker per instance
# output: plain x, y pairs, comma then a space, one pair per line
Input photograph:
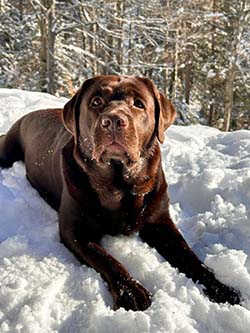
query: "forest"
197, 52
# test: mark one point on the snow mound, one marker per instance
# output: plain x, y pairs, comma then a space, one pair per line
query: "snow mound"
43, 288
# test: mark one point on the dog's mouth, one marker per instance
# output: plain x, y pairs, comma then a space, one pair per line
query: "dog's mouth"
114, 151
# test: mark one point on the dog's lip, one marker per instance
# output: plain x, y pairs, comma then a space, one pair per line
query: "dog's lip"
114, 151
115, 147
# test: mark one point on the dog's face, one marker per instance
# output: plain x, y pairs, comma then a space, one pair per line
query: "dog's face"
117, 118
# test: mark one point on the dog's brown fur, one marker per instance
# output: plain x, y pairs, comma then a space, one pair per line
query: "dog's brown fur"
98, 163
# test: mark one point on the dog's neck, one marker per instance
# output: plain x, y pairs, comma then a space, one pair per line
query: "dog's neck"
113, 181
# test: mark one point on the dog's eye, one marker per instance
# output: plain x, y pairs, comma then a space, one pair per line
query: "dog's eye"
96, 101
138, 104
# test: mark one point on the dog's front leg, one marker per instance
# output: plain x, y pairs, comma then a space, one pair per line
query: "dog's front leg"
127, 292
171, 245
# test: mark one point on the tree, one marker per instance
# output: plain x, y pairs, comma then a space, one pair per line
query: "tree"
197, 52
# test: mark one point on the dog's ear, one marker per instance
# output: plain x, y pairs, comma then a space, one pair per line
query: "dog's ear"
68, 114
164, 110
166, 115
71, 110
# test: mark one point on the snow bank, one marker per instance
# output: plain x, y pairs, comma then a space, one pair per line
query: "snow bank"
43, 288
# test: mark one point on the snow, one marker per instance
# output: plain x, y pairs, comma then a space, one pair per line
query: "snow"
211, 73
43, 288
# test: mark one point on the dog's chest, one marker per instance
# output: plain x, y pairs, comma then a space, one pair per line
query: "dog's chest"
103, 221
122, 222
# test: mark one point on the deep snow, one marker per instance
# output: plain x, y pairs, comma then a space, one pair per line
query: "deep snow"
43, 288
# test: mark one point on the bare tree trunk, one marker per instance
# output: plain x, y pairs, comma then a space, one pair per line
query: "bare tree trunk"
129, 53
43, 52
81, 14
211, 114
229, 84
229, 93
47, 46
176, 64
109, 55
86, 19
51, 48
167, 88
188, 79
120, 10
211, 111
93, 48
188, 64
20, 6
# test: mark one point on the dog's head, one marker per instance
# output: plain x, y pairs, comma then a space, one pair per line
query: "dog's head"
117, 118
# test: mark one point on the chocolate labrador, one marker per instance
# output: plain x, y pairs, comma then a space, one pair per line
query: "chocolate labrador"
98, 162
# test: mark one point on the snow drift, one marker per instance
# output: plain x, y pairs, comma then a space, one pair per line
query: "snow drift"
43, 288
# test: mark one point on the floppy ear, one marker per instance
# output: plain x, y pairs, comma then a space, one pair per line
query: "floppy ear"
71, 110
164, 110
68, 114
166, 115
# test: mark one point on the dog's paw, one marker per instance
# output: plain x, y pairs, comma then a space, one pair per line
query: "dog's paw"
131, 295
220, 293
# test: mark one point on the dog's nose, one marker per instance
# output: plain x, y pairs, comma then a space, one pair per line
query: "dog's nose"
114, 121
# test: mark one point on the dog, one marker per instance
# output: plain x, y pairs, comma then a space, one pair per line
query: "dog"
98, 162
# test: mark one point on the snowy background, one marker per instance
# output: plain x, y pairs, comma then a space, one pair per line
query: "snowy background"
43, 288
197, 52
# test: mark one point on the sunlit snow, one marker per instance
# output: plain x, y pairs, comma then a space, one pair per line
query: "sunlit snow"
43, 288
